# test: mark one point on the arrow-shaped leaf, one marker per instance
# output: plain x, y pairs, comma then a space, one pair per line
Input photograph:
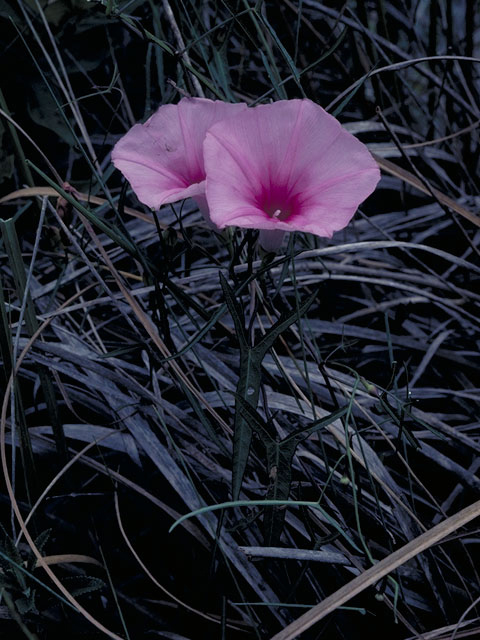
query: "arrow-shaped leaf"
279, 463
235, 311
248, 387
283, 324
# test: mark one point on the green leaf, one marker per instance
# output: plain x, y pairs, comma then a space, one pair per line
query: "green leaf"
248, 387
31, 576
250, 376
10, 558
26, 604
221, 310
235, 311
79, 585
45, 113
41, 540
279, 463
283, 324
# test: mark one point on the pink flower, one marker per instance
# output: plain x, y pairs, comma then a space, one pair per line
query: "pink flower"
163, 158
286, 166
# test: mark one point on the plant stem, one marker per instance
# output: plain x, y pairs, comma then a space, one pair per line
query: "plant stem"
16, 616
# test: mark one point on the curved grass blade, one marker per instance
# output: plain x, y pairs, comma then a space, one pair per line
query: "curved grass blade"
268, 503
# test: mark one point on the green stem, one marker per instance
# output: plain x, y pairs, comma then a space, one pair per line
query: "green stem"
16, 142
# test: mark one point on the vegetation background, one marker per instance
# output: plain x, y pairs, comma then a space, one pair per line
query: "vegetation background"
123, 353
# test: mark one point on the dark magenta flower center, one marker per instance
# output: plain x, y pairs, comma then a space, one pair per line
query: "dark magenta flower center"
278, 202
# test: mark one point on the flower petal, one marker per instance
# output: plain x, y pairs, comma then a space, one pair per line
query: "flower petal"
163, 158
286, 166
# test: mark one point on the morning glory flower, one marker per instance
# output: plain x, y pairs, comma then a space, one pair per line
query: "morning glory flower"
285, 166
163, 158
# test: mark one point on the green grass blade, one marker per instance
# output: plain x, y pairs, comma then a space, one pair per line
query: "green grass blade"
17, 266
111, 232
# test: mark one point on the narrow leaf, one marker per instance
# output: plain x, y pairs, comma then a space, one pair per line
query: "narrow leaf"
235, 312
282, 325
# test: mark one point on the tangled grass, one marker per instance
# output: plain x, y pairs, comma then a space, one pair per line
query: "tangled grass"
124, 335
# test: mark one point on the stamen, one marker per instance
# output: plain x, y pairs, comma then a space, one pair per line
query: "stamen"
277, 213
